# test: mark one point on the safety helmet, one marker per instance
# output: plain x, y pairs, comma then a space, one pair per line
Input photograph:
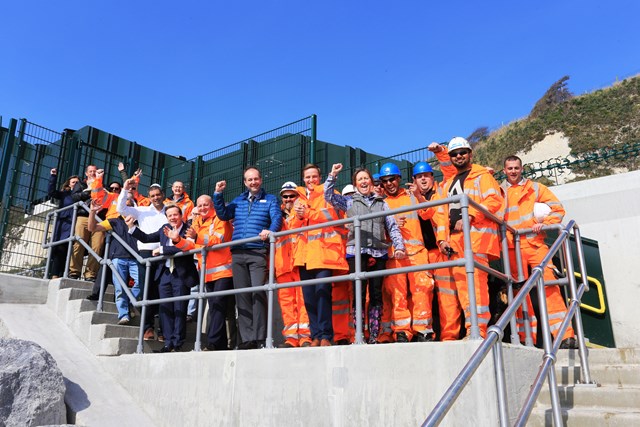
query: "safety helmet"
541, 211
288, 186
422, 167
348, 189
457, 143
389, 169
376, 179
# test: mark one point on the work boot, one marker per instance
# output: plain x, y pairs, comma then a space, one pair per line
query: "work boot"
401, 337
420, 337
375, 313
569, 344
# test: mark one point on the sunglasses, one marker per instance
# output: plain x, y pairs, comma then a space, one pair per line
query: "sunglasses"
115, 189
387, 180
287, 196
459, 153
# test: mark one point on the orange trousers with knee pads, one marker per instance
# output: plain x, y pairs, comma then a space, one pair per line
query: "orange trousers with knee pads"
556, 307
410, 297
450, 313
294, 314
481, 284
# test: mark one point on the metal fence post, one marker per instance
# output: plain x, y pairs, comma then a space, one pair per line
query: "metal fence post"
469, 267
507, 271
358, 281
312, 143
203, 268
272, 280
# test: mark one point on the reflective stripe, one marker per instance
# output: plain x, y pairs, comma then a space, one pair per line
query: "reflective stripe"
555, 327
340, 302
486, 230
219, 236
426, 322
559, 315
326, 235
404, 322
217, 269
341, 311
414, 242
411, 215
489, 192
446, 291
327, 214
283, 242
205, 240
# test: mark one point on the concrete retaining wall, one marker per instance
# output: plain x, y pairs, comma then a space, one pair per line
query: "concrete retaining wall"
608, 210
339, 386
22, 290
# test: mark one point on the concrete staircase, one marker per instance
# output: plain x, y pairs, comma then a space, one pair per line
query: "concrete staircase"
614, 402
99, 331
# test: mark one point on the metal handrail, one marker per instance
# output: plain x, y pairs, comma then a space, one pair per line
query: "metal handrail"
494, 333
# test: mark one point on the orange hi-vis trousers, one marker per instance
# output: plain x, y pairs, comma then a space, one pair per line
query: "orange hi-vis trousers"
409, 314
341, 295
449, 309
480, 282
556, 307
294, 314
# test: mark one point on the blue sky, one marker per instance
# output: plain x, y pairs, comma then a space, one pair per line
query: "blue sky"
189, 77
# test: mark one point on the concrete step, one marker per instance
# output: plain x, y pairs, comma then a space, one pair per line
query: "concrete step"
608, 356
584, 417
608, 396
619, 375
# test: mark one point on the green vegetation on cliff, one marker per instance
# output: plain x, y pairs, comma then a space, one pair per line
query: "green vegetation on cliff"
602, 120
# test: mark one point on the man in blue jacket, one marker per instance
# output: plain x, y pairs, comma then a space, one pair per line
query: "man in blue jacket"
255, 213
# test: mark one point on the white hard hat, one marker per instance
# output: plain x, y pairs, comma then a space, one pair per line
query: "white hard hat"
288, 186
348, 189
457, 143
541, 211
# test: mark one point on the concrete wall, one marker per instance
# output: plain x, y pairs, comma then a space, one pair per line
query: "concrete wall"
22, 290
385, 385
608, 210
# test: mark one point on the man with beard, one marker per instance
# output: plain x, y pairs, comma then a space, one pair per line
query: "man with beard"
482, 188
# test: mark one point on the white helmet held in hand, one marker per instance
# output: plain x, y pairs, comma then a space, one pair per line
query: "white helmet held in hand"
540, 211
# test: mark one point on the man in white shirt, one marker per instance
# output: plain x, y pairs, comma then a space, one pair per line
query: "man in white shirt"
150, 219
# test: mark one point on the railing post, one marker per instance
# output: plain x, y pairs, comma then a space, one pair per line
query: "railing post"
358, 269
573, 293
47, 225
72, 232
469, 267
203, 268
526, 316
272, 279
548, 348
143, 313
501, 387
507, 271
103, 274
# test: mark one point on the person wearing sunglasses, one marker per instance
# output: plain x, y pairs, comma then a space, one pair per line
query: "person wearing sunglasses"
478, 183
294, 314
409, 312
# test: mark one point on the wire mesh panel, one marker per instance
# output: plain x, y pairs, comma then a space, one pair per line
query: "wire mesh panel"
35, 151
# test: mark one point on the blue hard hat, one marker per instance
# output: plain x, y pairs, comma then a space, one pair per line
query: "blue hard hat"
389, 169
421, 167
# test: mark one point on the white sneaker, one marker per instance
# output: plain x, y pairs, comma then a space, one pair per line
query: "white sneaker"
123, 321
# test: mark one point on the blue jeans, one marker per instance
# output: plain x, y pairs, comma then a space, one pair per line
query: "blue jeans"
126, 267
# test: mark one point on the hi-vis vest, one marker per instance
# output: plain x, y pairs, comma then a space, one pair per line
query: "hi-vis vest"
411, 231
483, 189
519, 211
285, 246
211, 231
324, 247
106, 199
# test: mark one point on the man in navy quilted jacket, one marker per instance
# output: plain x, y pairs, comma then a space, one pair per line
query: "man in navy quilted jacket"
255, 213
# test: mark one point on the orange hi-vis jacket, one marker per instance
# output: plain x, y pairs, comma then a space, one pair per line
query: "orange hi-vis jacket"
285, 246
323, 247
482, 188
184, 203
411, 231
211, 231
519, 211
106, 199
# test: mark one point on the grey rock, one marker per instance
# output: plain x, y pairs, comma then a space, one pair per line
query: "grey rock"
31, 385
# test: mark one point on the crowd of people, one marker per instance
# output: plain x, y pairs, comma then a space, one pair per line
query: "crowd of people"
420, 306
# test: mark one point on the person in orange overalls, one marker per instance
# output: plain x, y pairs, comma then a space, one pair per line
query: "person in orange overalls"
319, 254
411, 315
294, 314
209, 230
481, 187
522, 194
